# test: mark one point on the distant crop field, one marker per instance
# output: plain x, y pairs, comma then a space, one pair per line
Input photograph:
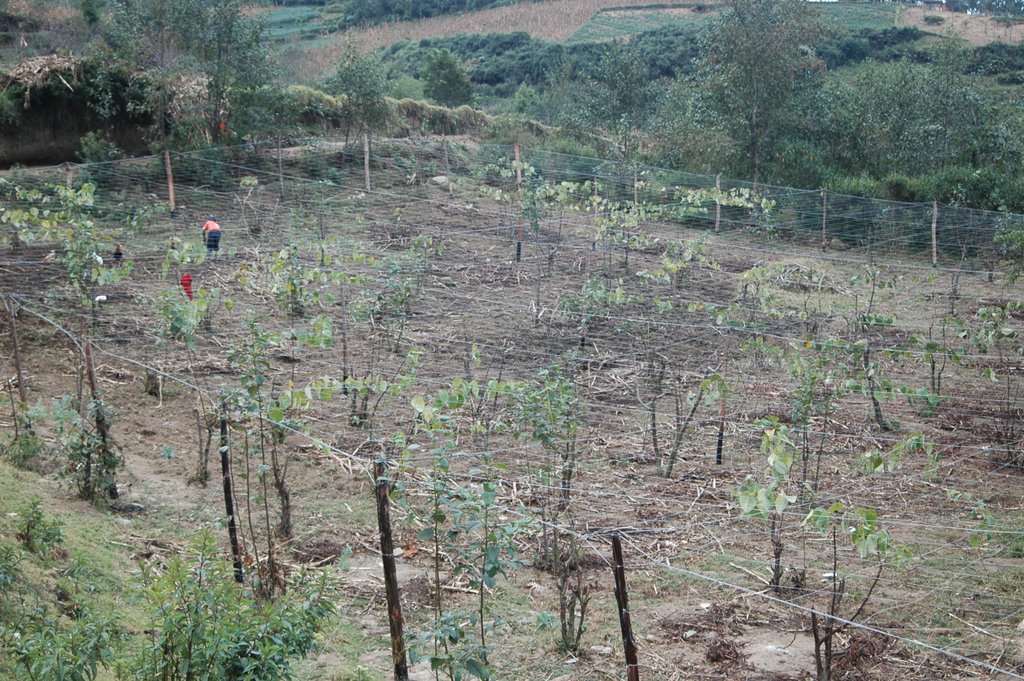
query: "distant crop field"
282, 22
558, 20
855, 16
579, 21
615, 23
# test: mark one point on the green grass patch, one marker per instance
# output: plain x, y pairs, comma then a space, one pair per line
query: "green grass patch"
616, 24
89, 569
297, 21
613, 24
856, 16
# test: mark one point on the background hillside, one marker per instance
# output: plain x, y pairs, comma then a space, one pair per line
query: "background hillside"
921, 103
734, 284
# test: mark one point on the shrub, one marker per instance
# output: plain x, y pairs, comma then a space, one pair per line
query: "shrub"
74, 653
21, 450
89, 461
9, 559
36, 533
206, 626
98, 148
934, 20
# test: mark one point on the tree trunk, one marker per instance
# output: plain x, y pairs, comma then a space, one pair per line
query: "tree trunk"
102, 426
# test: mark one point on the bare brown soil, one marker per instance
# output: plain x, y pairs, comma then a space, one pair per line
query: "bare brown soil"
976, 30
697, 570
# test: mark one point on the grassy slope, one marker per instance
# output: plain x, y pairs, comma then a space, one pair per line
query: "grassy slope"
97, 568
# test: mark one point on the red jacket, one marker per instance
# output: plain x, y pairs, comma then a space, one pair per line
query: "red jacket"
186, 284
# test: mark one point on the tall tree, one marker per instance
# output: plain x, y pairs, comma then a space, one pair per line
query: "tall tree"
614, 95
232, 54
445, 80
912, 119
200, 41
361, 82
755, 58
148, 34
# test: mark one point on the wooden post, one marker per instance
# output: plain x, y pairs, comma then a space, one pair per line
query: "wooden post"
22, 392
229, 499
387, 555
345, 369
519, 227
447, 167
718, 201
280, 167
102, 425
366, 158
935, 232
170, 179
721, 428
824, 217
69, 173
622, 599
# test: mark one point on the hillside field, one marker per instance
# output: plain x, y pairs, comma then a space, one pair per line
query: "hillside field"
844, 373
312, 47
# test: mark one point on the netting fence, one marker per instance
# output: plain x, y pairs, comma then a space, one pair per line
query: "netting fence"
958, 599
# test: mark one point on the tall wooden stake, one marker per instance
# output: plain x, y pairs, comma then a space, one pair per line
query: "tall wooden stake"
366, 158
935, 233
11, 312
721, 428
824, 216
102, 425
229, 499
69, 173
718, 201
170, 179
280, 167
387, 554
519, 184
622, 598
447, 167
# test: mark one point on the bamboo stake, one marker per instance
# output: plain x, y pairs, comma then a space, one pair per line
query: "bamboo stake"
11, 312
721, 428
824, 217
519, 185
448, 168
387, 553
280, 167
69, 173
366, 159
718, 201
170, 179
622, 599
229, 502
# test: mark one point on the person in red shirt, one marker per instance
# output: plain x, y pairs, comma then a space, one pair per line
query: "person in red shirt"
186, 284
211, 236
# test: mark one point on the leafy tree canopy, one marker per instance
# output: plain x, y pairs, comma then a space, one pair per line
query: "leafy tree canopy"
361, 81
445, 80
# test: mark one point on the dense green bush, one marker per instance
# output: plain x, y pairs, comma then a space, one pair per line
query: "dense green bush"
37, 533
504, 61
205, 626
10, 557
76, 652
